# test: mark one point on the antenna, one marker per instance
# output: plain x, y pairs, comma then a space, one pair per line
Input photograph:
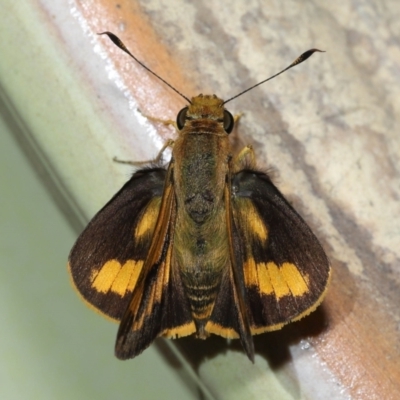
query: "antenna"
118, 42
297, 61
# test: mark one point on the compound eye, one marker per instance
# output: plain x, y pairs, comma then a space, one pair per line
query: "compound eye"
181, 118
229, 121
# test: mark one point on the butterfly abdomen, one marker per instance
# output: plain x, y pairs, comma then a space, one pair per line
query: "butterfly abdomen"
201, 254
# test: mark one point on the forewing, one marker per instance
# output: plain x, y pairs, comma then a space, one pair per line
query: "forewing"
108, 256
286, 271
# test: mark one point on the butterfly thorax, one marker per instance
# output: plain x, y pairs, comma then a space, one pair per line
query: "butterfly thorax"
201, 250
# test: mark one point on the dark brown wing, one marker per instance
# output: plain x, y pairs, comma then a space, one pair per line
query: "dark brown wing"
108, 256
286, 271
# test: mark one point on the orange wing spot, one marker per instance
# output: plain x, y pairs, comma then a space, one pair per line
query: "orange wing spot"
219, 330
264, 279
283, 280
148, 221
250, 273
127, 277
278, 282
117, 278
298, 284
251, 220
104, 279
256, 224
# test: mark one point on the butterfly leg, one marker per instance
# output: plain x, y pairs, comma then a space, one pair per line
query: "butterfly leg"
166, 122
168, 143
